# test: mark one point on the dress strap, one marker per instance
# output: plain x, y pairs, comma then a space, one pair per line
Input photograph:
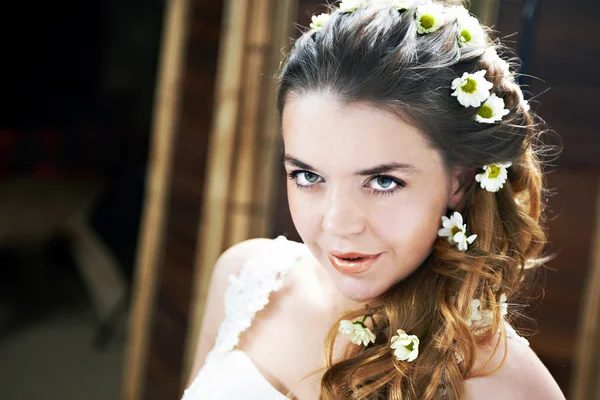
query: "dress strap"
249, 291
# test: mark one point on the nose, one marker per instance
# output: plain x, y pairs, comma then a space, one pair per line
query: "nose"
342, 216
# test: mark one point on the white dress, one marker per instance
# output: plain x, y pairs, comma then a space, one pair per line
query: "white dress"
228, 373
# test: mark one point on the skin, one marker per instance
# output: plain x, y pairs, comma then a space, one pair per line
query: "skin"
395, 212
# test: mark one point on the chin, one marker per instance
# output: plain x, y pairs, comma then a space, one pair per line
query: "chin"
356, 290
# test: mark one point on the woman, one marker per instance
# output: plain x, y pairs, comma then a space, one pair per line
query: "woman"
415, 186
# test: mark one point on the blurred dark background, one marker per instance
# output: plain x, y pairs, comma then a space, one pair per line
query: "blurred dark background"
77, 87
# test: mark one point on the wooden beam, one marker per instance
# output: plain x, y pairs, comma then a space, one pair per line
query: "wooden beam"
219, 164
586, 382
166, 107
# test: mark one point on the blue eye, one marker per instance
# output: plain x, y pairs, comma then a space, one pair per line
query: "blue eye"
384, 185
387, 185
384, 182
303, 179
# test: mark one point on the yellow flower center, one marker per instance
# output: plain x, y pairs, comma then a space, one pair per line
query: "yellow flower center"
465, 35
427, 21
494, 171
455, 230
469, 86
486, 112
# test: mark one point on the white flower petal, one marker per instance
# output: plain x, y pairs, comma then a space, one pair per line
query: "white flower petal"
445, 232
402, 5
492, 110
494, 176
356, 333
458, 219
318, 21
459, 237
406, 347
470, 32
430, 17
472, 89
471, 239
351, 5
447, 222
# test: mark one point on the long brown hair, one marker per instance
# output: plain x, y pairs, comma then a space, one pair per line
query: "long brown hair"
374, 55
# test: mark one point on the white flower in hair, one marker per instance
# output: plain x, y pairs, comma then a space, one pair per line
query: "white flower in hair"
351, 5
472, 89
318, 21
491, 57
479, 318
493, 176
492, 110
456, 231
356, 332
470, 32
402, 5
525, 105
430, 17
406, 347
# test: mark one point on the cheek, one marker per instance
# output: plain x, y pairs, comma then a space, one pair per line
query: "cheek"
304, 214
411, 223
409, 232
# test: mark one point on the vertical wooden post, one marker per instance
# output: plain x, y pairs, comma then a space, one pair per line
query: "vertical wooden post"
166, 107
585, 382
242, 145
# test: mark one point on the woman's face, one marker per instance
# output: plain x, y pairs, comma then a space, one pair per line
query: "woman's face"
361, 180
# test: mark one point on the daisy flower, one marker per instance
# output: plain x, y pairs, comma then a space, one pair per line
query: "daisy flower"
525, 105
406, 347
470, 32
351, 5
356, 332
430, 17
472, 89
318, 21
456, 231
492, 110
493, 176
402, 5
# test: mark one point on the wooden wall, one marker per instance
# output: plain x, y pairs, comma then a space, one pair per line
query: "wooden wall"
565, 59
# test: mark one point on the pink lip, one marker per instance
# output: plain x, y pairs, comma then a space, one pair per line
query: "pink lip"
352, 266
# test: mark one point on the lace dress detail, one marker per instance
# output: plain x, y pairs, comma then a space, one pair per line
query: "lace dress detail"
247, 294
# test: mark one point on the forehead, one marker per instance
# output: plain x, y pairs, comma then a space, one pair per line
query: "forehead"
322, 131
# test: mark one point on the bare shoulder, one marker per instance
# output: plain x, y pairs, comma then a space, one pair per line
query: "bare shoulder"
229, 263
521, 376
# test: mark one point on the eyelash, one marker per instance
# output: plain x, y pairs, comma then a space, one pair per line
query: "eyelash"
292, 175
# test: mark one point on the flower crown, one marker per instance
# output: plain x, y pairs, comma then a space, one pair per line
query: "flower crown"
471, 89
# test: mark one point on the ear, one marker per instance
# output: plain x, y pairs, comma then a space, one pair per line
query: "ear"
461, 181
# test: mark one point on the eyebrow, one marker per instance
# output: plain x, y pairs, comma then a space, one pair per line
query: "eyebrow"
376, 170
